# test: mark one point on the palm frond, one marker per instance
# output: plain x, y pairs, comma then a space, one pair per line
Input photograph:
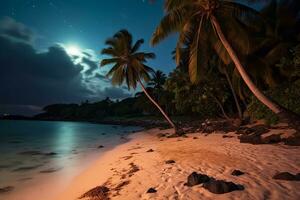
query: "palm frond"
137, 45
109, 61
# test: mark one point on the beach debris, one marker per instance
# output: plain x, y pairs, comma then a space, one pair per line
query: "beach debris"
196, 179
150, 150
121, 185
133, 168
170, 162
100, 146
6, 189
151, 190
287, 176
99, 193
221, 187
237, 172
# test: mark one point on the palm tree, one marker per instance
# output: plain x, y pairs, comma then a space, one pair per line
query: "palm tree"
158, 80
128, 64
197, 22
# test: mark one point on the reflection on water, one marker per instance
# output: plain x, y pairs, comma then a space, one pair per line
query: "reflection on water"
28, 148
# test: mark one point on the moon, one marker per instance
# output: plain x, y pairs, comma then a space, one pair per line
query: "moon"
73, 50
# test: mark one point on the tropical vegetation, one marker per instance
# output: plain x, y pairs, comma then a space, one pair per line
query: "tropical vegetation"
232, 61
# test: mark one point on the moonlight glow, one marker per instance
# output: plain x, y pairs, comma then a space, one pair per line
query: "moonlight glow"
73, 50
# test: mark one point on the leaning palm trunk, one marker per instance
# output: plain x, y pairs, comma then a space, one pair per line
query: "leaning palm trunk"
156, 104
288, 116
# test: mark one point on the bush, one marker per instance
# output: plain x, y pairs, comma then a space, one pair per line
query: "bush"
286, 95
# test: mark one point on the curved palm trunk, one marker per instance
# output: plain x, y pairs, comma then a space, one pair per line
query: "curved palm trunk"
234, 95
284, 114
156, 104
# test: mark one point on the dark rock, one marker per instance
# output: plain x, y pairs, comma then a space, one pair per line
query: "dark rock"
100, 146
237, 172
221, 187
227, 136
292, 141
99, 192
195, 138
150, 150
160, 135
287, 176
271, 139
196, 179
6, 189
252, 139
170, 161
151, 190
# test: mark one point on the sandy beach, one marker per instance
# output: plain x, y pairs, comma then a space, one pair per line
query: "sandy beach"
130, 169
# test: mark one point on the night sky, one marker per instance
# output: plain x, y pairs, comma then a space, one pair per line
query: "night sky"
39, 37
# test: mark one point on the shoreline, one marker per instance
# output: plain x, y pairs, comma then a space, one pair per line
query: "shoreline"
146, 124
130, 169
58, 169
212, 155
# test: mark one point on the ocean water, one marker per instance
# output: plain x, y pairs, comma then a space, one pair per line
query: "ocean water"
29, 149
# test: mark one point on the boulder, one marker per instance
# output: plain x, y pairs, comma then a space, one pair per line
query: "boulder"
100, 146
252, 139
150, 150
271, 139
292, 141
196, 179
221, 187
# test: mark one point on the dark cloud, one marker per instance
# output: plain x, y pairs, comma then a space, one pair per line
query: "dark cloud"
91, 64
11, 28
102, 77
30, 80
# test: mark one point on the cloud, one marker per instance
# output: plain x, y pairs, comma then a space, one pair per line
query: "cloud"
30, 79
16, 30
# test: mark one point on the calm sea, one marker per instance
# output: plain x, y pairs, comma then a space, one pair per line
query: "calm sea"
32, 148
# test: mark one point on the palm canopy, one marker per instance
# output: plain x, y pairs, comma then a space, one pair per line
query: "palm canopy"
191, 18
128, 63
158, 79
